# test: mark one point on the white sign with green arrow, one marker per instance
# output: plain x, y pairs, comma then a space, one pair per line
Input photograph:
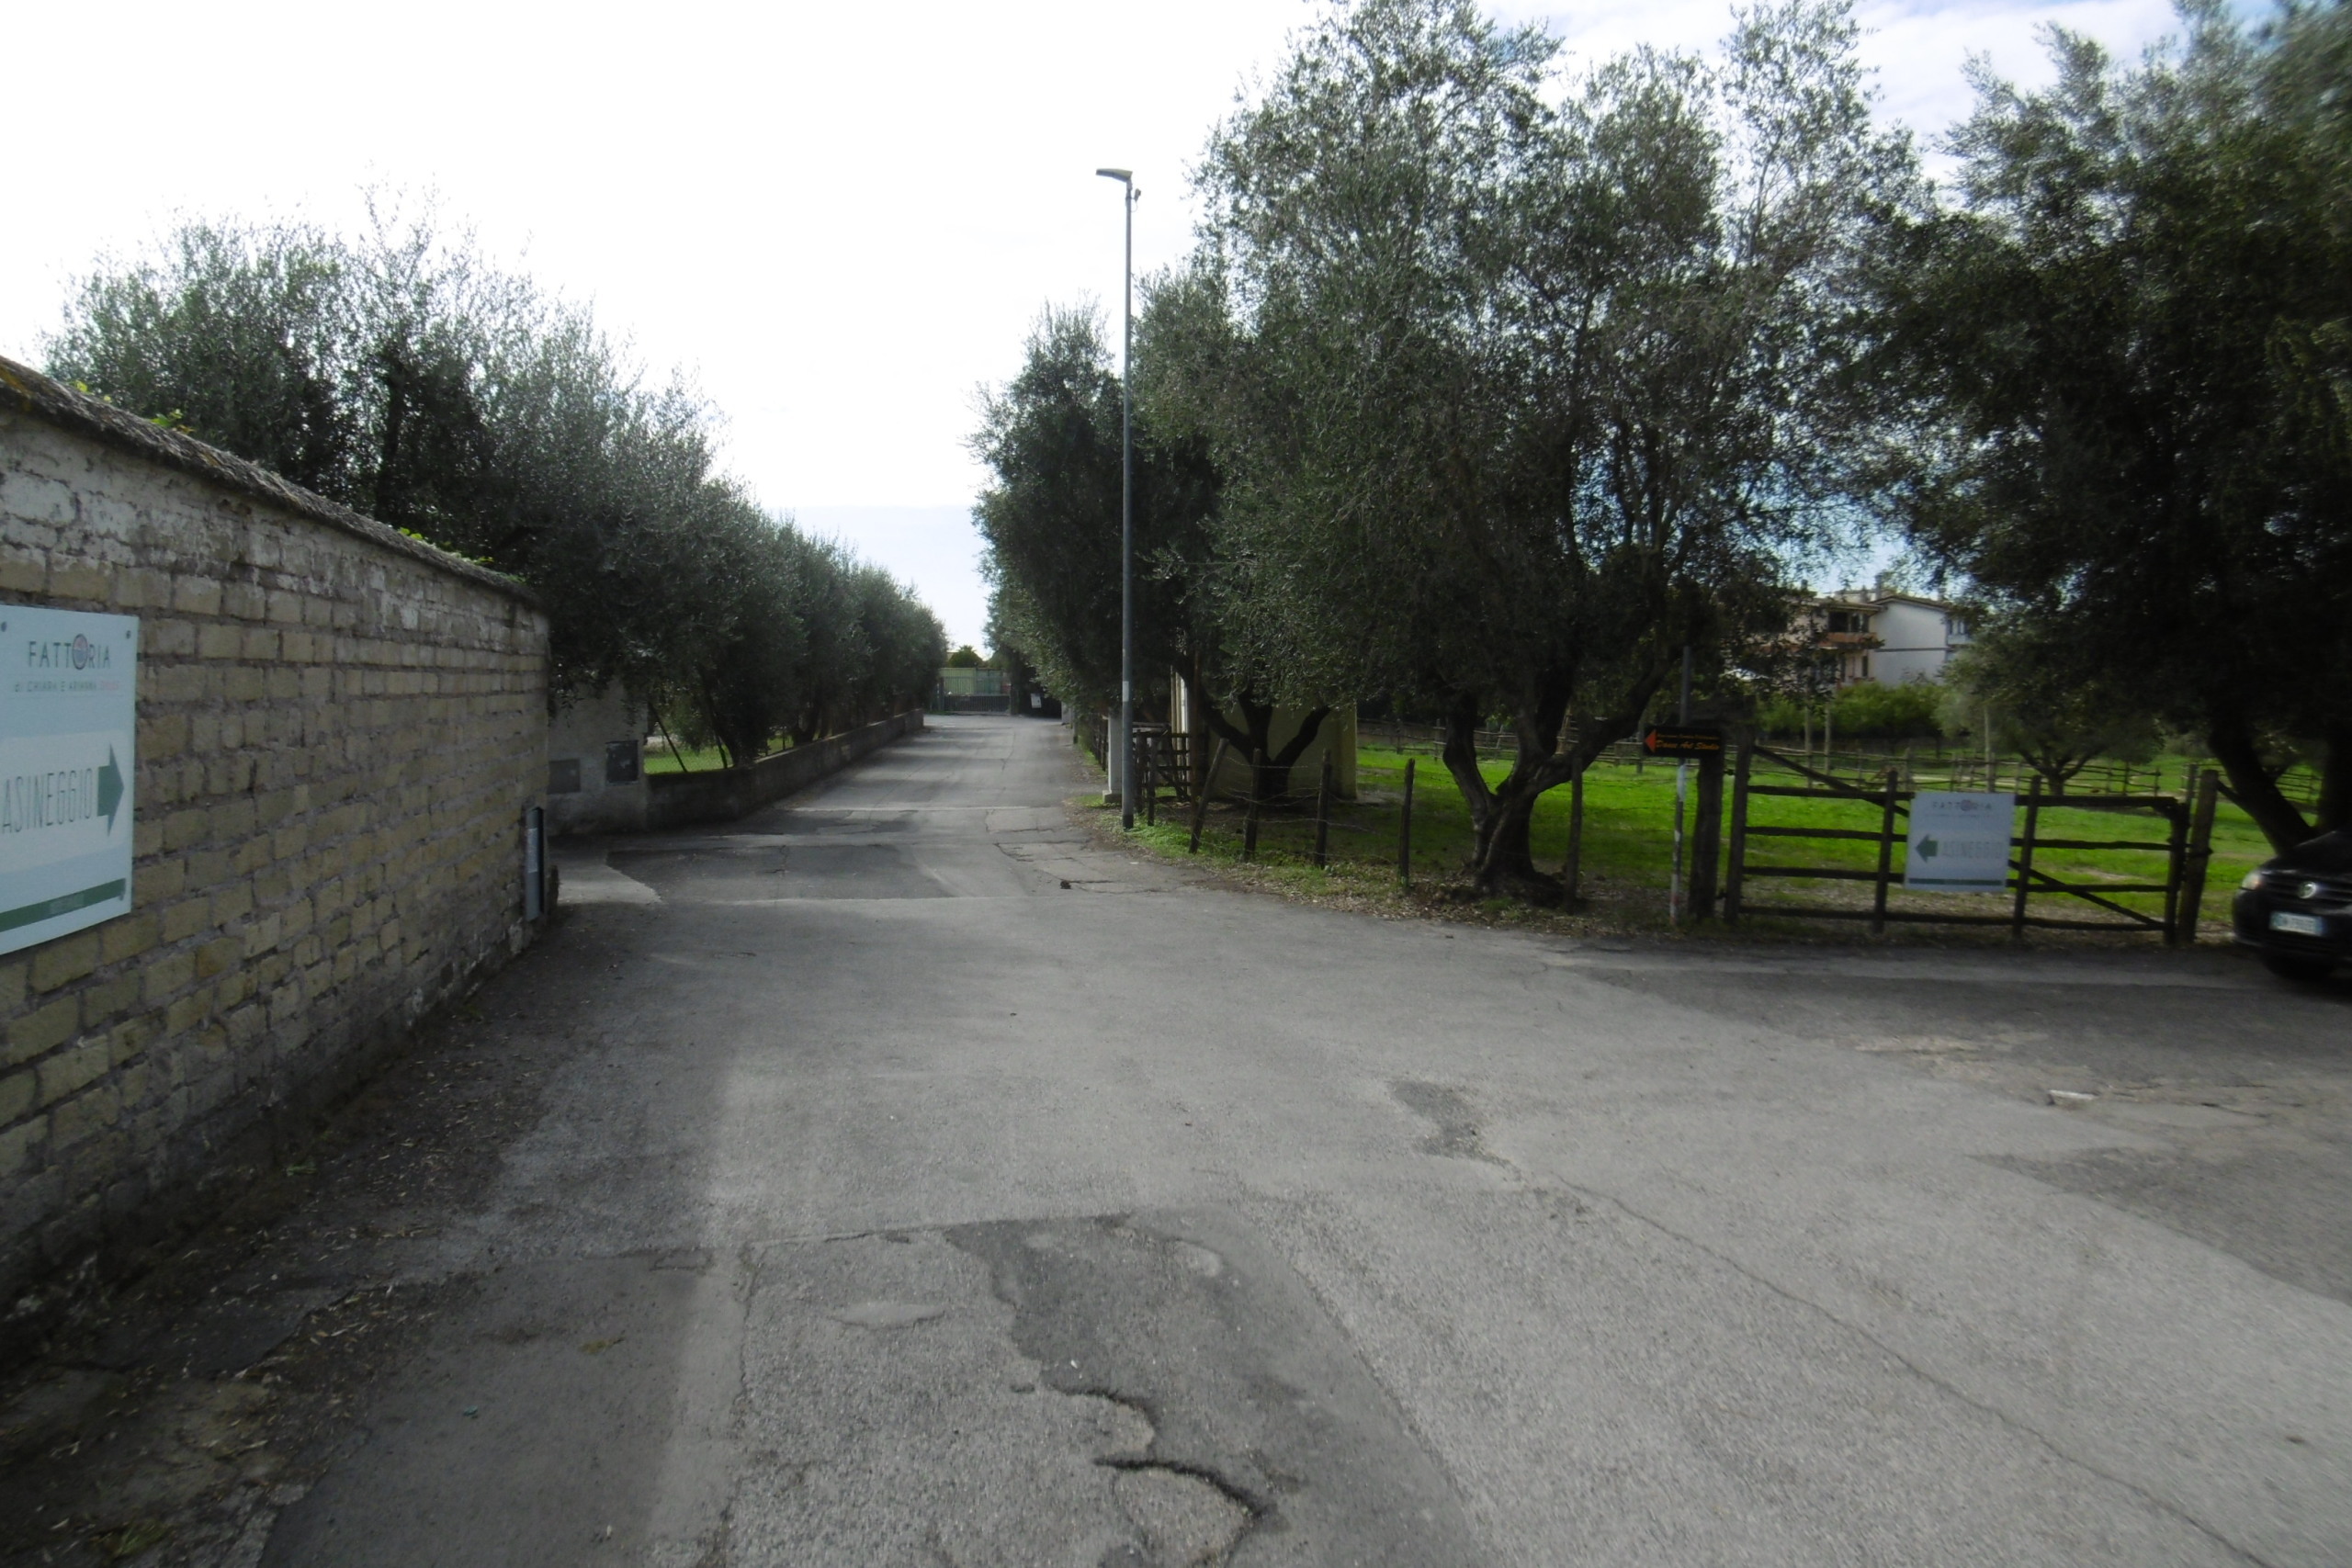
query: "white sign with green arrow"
1960, 844
69, 722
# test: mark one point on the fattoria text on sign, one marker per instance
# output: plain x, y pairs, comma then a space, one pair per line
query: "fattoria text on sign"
69, 717
1960, 844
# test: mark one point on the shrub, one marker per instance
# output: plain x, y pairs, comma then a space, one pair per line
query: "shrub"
1906, 712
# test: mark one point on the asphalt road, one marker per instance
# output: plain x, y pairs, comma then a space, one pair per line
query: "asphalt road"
924, 1186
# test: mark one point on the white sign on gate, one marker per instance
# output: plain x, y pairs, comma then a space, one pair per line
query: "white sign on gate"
1960, 844
69, 719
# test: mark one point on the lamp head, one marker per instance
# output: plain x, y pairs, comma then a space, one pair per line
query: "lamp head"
1125, 176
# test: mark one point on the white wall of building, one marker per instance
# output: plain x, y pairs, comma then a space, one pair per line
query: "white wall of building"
1916, 640
1907, 638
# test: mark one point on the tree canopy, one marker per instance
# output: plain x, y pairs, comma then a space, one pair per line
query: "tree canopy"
1506, 384
2056, 719
1472, 397
1517, 397
399, 375
2128, 356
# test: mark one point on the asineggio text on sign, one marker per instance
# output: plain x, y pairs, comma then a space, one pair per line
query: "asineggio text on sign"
1960, 844
68, 721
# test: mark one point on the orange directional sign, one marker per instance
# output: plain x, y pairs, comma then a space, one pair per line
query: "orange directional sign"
1683, 740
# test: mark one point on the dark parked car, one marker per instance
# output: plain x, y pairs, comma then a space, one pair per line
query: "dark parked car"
2296, 912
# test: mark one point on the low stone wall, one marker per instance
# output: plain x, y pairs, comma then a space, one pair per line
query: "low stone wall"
722, 795
339, 731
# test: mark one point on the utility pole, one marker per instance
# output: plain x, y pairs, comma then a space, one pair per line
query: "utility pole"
1123, 746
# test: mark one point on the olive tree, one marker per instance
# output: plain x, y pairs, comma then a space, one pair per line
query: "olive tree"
2131, 383
1051, 439
245, 335
399, 375
1516, 398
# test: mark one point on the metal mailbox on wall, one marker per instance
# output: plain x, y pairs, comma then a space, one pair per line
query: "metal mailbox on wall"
69, 723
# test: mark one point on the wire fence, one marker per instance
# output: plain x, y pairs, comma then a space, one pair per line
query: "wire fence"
1920, 765
1492, 745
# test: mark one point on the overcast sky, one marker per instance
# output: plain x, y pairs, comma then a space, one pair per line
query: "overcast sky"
839, 219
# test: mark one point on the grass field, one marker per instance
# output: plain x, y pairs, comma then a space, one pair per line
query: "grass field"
661, 760
1629, 818
703, 759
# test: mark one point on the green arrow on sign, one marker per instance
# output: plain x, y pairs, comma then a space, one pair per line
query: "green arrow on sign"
109, 788
1928, 847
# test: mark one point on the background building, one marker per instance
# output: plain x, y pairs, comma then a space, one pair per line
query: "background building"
1886, 636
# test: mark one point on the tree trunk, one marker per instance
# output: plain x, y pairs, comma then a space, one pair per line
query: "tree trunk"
2336, 781
680, 756
1503, 864
1506, 864
387, 461
2257, 793
1270, 779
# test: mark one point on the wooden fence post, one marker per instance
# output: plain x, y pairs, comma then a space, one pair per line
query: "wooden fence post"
2206, 788
1736, 873
1572, 873
1323, 815
1885, 857
2175, 868
1405, 832
1151, 781
1707, 838
1250, 820
1201, 796
2024, 860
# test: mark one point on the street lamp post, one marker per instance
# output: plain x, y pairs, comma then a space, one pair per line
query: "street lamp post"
1123, 746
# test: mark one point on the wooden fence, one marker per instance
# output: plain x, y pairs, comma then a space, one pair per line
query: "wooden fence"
2186, 844
1498, 744
1163, 762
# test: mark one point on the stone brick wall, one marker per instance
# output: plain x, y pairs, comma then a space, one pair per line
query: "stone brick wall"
339, 732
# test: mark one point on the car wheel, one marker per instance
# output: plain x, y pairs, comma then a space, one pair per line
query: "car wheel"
2292, 966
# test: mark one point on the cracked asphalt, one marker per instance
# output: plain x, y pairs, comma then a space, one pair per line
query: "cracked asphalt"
902, 1178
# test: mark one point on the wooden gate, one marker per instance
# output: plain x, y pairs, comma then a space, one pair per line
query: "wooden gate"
1163, 762
2187, 845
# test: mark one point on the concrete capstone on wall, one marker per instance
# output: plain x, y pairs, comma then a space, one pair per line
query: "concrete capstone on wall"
340, 730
